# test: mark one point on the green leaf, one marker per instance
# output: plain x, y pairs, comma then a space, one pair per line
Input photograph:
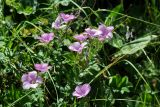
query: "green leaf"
70, 58
112, 16
62, 2
2, 56
120, 84
134, 46
124, 89
66, 42
116, 41
23, 6
2, 44
1, 9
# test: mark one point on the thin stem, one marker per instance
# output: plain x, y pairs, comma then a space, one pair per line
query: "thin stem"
106, 68
137, 71
53, 85
129, 17
12, 104
143, 79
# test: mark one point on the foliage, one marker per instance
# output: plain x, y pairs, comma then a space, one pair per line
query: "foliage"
123, 71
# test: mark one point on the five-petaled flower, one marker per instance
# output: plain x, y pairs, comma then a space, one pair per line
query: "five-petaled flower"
42, 67
92, 32
46, 37
67, 17
81, 90
57, 24
77, 47
106, 32
81, 37
31, 80
61, 20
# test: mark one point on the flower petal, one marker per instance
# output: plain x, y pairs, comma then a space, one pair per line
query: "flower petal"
83, 44
24, 77
26, 85
39, 80
76, 94
46, 37
75, 46
110, 28
110, 35
32, 75
67, 17
81, 90
41, 67
34, 85
80, 37
86, 88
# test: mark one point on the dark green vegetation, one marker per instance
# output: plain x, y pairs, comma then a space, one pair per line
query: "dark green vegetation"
124, 71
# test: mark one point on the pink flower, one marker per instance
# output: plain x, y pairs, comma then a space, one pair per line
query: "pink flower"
57, 23
67, 17
77, 47
42, 67
93, 32
61, 19
106, 32
81, 90
81, 37
31, 80
46, 37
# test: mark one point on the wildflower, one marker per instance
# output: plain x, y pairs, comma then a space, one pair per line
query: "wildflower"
57, 23
46, 37
31, 80
61, 19
42, 67
81, 37
67, 17
106, 32
77, 47
93, 32
81, 90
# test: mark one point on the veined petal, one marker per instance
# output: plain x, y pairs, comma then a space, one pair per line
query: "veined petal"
24, 77
46, 37
41, 67
76, 94
67, 17
75, 46
32, 75
110, 28
86, 88
26, 85
81, 90
39, 80
81, 37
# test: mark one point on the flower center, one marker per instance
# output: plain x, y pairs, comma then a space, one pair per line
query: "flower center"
33, 82
66, 16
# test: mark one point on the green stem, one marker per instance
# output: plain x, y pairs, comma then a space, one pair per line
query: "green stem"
106, 69
53, 85
12, 104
